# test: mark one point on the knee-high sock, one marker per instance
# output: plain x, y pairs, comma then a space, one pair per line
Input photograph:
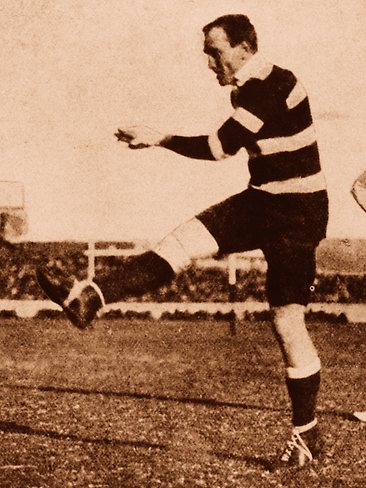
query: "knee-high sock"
135, 276
303, 390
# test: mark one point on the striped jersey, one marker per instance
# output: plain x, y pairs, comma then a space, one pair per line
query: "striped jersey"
272, 120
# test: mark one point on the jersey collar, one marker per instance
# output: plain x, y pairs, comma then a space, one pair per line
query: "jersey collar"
256, 67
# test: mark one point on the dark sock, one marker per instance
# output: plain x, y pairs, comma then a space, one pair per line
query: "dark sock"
303, 393
135, 276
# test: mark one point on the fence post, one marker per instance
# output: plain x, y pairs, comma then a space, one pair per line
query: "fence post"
232, 264
91, 260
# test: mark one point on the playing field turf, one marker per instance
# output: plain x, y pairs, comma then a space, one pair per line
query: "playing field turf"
169, 404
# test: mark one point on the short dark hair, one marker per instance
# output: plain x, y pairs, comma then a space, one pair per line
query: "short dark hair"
238, 28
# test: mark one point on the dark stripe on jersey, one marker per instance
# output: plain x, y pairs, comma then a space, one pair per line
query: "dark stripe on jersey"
283, 166
288, 122
233, 136
266, 98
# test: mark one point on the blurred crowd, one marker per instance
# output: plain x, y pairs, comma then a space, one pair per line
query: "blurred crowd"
196, 284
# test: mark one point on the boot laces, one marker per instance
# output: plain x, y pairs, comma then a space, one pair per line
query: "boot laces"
296, 442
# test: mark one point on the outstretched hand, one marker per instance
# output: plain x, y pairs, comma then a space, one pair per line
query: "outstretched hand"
139, 137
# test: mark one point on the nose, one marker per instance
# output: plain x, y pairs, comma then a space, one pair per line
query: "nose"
211, 63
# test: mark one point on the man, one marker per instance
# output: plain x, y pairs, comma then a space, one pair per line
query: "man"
358, 192
284, 212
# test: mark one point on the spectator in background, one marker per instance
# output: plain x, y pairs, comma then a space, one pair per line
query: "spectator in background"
359, 194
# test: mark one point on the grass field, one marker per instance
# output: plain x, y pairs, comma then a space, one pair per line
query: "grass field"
148, 404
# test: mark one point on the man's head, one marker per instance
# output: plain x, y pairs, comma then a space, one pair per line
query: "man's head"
230, 41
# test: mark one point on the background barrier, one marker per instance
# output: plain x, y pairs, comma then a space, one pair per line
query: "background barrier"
231, 285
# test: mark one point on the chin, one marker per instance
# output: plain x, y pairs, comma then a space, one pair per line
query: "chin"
222, 81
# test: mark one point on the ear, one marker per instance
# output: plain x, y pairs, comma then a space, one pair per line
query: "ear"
245, 46
246, 52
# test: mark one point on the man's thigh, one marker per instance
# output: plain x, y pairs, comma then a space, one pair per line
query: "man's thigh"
233, 223
291, 271
294, 226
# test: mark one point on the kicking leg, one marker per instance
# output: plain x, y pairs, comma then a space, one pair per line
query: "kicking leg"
224, 227
153, 269
135, 276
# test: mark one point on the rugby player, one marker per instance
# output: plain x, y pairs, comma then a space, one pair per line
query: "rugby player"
283, 212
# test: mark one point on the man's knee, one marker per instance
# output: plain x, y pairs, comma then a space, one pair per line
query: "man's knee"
190, 240
289, 320
293, 337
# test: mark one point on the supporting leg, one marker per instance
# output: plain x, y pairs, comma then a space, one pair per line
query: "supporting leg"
302, 380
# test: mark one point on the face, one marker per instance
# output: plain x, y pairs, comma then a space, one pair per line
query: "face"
224, 60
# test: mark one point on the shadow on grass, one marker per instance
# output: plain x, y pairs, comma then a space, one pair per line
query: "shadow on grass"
209, 402
15, 428
257, 461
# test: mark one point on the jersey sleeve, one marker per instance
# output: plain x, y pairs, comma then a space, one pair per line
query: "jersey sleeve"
236, 132
195, 147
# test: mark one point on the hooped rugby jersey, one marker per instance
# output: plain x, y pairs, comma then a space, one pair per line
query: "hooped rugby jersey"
272, 120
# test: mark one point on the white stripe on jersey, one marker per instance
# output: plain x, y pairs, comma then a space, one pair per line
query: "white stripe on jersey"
248, 120
288, 144
297, 95
306, 184
216, 147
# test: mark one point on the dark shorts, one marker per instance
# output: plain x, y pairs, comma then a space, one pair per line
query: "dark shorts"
287, 228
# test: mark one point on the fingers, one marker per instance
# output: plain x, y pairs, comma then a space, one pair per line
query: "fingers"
139, 137
124, 135
140, 145
131, 137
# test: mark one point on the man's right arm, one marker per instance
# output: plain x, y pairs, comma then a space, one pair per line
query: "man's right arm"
219, 145
358, 190
139, 137
236, 132
195, 147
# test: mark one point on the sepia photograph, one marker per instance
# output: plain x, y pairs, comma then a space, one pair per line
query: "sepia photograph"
183, 243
